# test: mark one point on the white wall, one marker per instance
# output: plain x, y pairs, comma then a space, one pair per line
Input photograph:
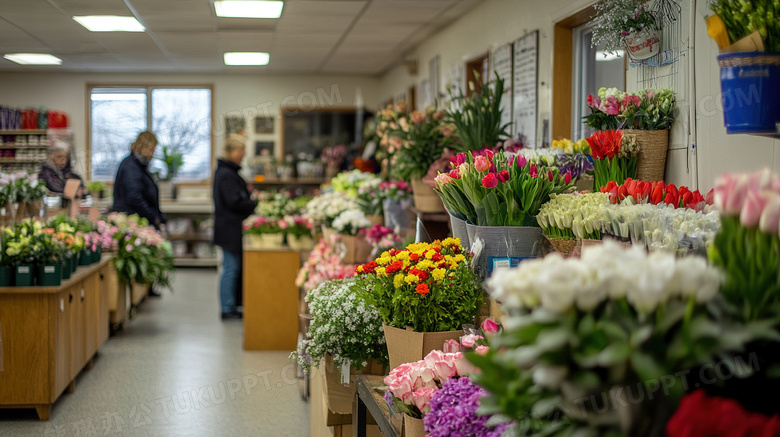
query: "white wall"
497, 22
233, 94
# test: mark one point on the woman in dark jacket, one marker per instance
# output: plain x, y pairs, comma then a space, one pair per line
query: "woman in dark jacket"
135, 191
56, 171
232, 204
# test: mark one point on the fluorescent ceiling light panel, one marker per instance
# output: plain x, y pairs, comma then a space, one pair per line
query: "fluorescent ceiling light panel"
246, 58
33, 58
603, 56
110, 23
248, 9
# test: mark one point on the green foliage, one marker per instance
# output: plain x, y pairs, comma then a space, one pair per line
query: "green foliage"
743, 17
95, 186
477, 119
173, 161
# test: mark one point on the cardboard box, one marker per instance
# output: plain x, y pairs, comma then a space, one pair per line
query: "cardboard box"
413, 427
340, 398
750, 43
408, 346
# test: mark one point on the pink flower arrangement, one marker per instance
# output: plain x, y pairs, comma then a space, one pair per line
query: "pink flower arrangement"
324, 264
413, 384
754, 198
258, 225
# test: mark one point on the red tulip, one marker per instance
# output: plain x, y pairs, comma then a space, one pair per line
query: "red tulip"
490, 181
613, 195
567, 178
685, 198
454, 174
550, 175
657, 195
622, 192
503, 175
533, 169
671, 199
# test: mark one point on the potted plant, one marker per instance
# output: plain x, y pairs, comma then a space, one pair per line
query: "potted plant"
49, 259
95, 189
425, 294
33, 197
476, 120
345, 335
626, 24
297, 230
173, 161
263, 233
323, 209
347, 226
21, 249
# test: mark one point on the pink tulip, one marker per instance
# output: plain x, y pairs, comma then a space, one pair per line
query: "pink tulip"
451, 346
490, 181
460, 158
422, 397
770, 217
481, 164
443, 179
489, 326
752, 209
481, 350
735, 197
438, 115
521, 161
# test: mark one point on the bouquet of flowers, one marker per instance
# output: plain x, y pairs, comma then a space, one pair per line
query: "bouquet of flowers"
579, 328
324, 264
274, 206
296, 225
655, 192
570, 216
429, 287
342, 326
615, 157
423, 139
616, 19
259, 225
350, 222
748, 248
349, 183
569, 146
411, 386
742, 18
326, 207
395, 190
499, 190
334, 156
477, 119
542, 157
453, 412
21, 242
381, 239
651, 109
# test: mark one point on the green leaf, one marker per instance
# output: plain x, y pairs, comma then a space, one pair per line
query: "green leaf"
646, 366
614, 354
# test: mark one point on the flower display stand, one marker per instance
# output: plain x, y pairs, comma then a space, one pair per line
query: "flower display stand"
340, 397
425, 199
326, 423
408, 346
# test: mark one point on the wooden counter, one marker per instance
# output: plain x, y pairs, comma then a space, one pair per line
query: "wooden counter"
49, 334
271, 299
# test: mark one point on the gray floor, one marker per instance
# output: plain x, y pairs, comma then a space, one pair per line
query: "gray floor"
176, 370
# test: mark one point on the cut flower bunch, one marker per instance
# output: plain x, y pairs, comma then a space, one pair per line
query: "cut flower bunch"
576, 215
499, 190
342, 326
743, 17
615, 157
655, 192
324, 264
611, 108
429, 287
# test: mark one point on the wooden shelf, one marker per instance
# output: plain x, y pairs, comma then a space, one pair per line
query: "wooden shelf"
6, 146
190, 237
21, 161
22, 131
195, 262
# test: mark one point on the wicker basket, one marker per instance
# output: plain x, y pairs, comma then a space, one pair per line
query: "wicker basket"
653, 145
564, 247
425, 199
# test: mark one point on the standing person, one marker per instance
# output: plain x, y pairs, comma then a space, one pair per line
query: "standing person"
135, 191
232, 204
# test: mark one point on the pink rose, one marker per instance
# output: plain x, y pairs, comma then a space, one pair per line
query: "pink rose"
481, 350
490, 181
752, 209
432, 357
422, 397
422, 375
470, 340
611, 105
489, 326
770, 217
445, 369
283, 224
481, 164
451, 346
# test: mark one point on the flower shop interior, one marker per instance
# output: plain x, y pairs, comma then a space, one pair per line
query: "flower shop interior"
473, 218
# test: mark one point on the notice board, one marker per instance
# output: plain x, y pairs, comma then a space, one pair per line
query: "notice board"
525, 92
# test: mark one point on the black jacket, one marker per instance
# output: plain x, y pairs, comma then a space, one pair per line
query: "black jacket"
135, 191
232, 204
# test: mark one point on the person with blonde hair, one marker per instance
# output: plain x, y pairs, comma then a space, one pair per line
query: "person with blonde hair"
232, 204
135, 191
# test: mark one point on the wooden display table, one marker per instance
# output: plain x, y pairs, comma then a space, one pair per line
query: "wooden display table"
48, 335
271, 299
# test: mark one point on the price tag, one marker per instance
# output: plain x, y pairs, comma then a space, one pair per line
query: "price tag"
48, 269
62, 305
23, 269
346, 367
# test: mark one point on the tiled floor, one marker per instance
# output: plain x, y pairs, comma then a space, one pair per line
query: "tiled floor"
176, 370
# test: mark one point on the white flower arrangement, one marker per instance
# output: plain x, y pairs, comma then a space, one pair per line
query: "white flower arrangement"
326, 207
350, 222
545, 157
604, 272
350, 182
276, 206
343, 326
576, 215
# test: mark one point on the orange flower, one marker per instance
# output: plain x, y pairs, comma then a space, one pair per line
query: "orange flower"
422, 289
49, 231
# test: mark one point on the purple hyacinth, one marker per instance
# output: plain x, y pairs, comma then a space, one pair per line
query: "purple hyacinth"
453, 412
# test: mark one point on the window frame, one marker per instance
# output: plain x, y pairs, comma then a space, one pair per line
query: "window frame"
148, 87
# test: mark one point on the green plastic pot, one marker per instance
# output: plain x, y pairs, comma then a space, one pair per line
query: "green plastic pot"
66, 268
50, 275
23, 275
6, 276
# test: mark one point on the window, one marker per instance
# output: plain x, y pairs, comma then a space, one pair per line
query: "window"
593, 69
179, 116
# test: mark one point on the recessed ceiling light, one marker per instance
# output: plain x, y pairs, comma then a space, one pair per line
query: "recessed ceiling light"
248, 8
247, 58
110, 23
33, 58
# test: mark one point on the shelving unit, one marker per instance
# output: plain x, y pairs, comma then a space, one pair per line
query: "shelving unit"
190, 227
27, 147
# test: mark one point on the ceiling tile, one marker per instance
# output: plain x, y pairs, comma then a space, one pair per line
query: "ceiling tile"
322, 8
245, 41
93, 7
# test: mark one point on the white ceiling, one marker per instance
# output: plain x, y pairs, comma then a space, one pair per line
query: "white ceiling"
312, 36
